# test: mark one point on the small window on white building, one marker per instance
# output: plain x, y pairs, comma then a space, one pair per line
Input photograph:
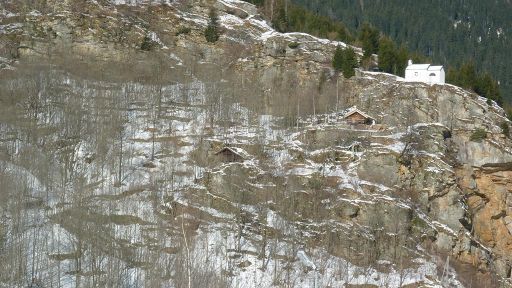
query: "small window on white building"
415, 73
432, 74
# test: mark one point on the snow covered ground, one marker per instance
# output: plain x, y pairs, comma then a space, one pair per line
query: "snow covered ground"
127, 212
163, 207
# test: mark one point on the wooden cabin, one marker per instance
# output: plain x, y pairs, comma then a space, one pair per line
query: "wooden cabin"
231, 154
356, 116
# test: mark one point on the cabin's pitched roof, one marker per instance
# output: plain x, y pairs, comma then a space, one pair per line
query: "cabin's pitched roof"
354, 110
235, 150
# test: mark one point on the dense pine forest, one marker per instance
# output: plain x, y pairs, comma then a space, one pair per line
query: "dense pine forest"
455, 33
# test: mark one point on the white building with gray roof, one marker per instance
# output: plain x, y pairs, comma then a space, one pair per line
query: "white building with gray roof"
424, 73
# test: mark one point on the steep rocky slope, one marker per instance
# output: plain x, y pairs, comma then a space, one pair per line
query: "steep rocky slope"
110, 175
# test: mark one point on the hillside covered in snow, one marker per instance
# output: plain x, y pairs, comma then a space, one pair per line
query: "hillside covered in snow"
135, 153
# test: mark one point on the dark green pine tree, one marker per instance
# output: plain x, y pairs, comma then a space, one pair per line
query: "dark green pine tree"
147, 44
402, 57
345, 60
487, 87
337, 59
369, 38
387, 55
467, 76
483, 84
349, 62
211, 33
453, 76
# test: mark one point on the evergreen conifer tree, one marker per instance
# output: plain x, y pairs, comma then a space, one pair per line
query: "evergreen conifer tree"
349, 62
337, 60
467, 75
402, 56
345, 60
387, 55
369, 38
211, 33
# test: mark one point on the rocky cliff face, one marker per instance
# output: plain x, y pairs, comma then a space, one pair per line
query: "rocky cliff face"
111, 119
